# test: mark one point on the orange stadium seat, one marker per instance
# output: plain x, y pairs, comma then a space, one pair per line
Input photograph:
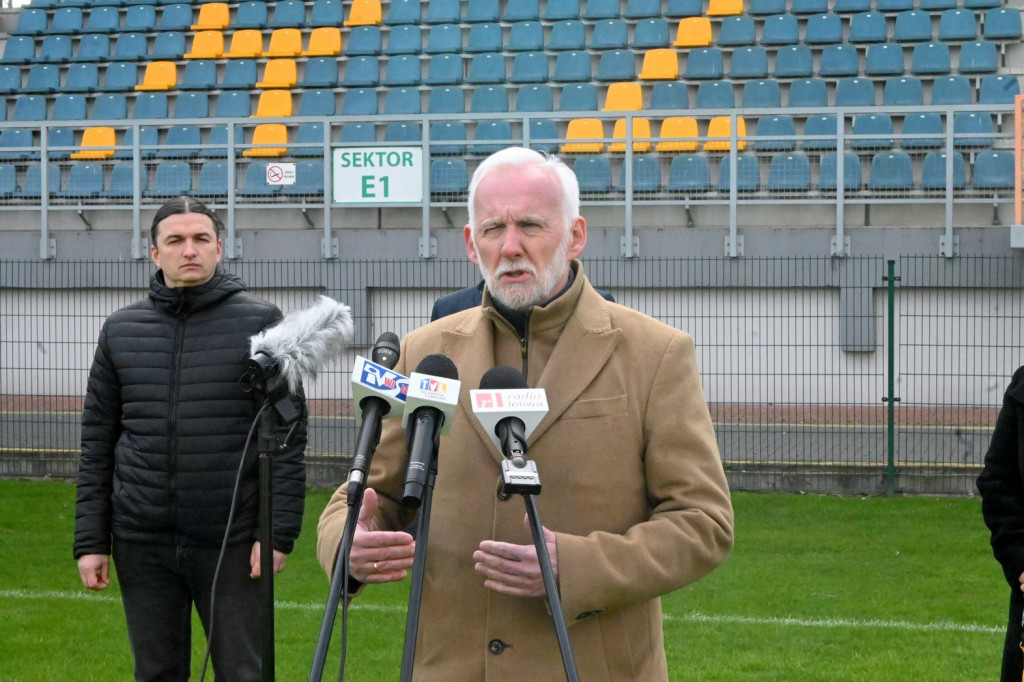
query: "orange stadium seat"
660, 64
584, 129
268, 134
98, 142
641, 135
213, 16
279, 73
284, 42
678, 134
364, 13
324, 41
159, 76
693, 32
245, 44
274, 104
627, 96
207, 45
719, 131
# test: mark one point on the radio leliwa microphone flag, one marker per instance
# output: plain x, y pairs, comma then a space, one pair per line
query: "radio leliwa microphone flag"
429, 411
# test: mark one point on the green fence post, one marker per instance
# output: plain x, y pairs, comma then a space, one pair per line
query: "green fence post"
890, 397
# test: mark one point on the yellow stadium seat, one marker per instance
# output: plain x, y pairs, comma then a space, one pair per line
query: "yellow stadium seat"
584, 129
284, 42
678, 134
97, 143
660, 64
724, 8
213, 16
718, 134
324, 41
268, 134
245, 44
159, 76
641, 135
626, 96
274, 104
207, 45
693, 32
364, 13
279, 73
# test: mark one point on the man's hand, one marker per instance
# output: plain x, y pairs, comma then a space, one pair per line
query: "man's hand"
280, 558
95, 571
515, 569
378, 556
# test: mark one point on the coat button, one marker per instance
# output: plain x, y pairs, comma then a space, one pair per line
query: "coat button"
496, 646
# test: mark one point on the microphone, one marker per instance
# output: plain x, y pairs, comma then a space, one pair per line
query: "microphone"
379, 392
510, 411
300, 344
429, 410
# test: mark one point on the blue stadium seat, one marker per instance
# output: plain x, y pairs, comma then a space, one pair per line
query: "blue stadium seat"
94, 47
402, 69
175, 17
561, 10
820, 133
170, 179
775, 133
808, 92
67, 20
669, 95
642, 9
31, 185
572, 66
20, 50
316, 102
1002, 23
122, 181
444, 38
649, 34
578, 97
254, 181
789, 173
55, 48
979, 56
309, 180
402, 101
525, 36
957, 25
446, 100
485, 37
823, 29
543, 136
936, 5
130, 47
952, 90
912, 26
250, 14
537, 98
489, 99
855, 92
31, 22
838, 61
29, 108
998, 88
749, 62
736, 31
191, 105
69, 107
757, 8
884, 59
404, 39
715, 95
182, 142
358, 133
363, 71
150, 105
233, 104
443, 12
703, 63
868, 27
218, 139
694, 8
828, 172
8, 180
761, 94
610, 34
529, 67
492, 136
982, 4
363, 41
645, 175
780, 29
930, 59
319, 72
933, 171
487, 68
212, 181
890, 171
851, 6
60, 143
309, 140
872, 131
289, 14
448, 138
42, 78
793, 61
808, 6
481, 11
994, 170
448, 176
569, 34
149, 140
17, 144
903, 91
110, 107
594, 173
521, 10
689, 173
403, 12
103, 19
10, 81
972, 129
444, 69
601, 9
326, 13
402, 132
748, 173
199, 74
168, 45
359, 102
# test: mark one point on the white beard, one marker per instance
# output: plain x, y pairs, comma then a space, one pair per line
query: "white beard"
532, 292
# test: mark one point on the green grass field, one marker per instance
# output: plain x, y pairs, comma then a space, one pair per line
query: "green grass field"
817, 588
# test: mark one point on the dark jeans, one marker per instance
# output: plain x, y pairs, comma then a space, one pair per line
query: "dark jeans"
159, 584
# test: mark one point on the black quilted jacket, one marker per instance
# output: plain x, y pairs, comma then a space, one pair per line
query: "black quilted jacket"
165, 421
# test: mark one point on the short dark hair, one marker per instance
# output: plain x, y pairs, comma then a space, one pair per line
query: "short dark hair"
179, 205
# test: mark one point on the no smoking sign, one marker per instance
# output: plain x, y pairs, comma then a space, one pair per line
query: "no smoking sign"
280, 173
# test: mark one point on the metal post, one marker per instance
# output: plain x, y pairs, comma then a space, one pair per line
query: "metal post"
890, 398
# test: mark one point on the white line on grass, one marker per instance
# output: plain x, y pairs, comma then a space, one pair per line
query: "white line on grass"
692, 617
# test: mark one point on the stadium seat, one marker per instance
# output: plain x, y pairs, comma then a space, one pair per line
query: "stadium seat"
443, 69
641, 9
67, 20
361, 72
263, 136
998, 88
359, 102
972, 129
775, 134
109, 107
677, 134
98, 143
150, 105
400, 133
149, 139
761, 8
981, 4
521, 10
748, 173
182, 142
364, 13
720, 130
444, 38
569, 34
610, 34
199, 74
933, 171
484, 37
572, 67
902, 91
645, 176
625, 96
401, 69
170, 179
309, 180
250, 14
31, 22
868, 27
1001, 23
855, 92
213, 16
42, 78
601, 9
443, 12
704, 63
650, 34
316, 102
324, 41
793, 61
543, 136
820, 133
102, 19
8, 180
254, 181
918, 125
789, 173
958, 24
724, 8
309, 140
838, 61
952, 90
640, 132
274, 104
245, 44
715, 95
31, 185
761, 94
912, 26
232, 104
591, 129
823, 29
288, 13
669, 95
693, 32
890, 171
283, 73
490, 99
930, 59
780, 29
131, 47
122, 179
20, 50
737, 31
578, 97
871, 132
689, 173
168, 45
10, 82
284, 42
191, 105
363, 41
161, 76
616, 65
29, 107
404, 39
481, 11
749, 62
206, 45
403, 12
175, 17
239, 74
486, 68
212, 181
808, 92
560, 10
446, 100
56, 49
994, 169
594, 174
358, 133
851, 6
525, 36
936, 5
529, 67
319, 72
535, 98
17, 144
980, 56
498, 132
828, 172
448, 138
402, 101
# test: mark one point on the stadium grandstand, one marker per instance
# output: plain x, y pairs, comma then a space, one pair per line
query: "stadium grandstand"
785, 146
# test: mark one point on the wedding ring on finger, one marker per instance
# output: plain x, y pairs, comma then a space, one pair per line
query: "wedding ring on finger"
375, 569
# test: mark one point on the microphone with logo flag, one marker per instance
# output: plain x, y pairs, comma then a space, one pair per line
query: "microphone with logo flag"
429, 411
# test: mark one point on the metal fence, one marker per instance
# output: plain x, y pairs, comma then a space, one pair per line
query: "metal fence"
854, 375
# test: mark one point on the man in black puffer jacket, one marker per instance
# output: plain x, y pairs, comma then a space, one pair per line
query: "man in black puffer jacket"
165, 423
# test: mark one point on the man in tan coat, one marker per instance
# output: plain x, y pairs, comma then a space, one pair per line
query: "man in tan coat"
635, 503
